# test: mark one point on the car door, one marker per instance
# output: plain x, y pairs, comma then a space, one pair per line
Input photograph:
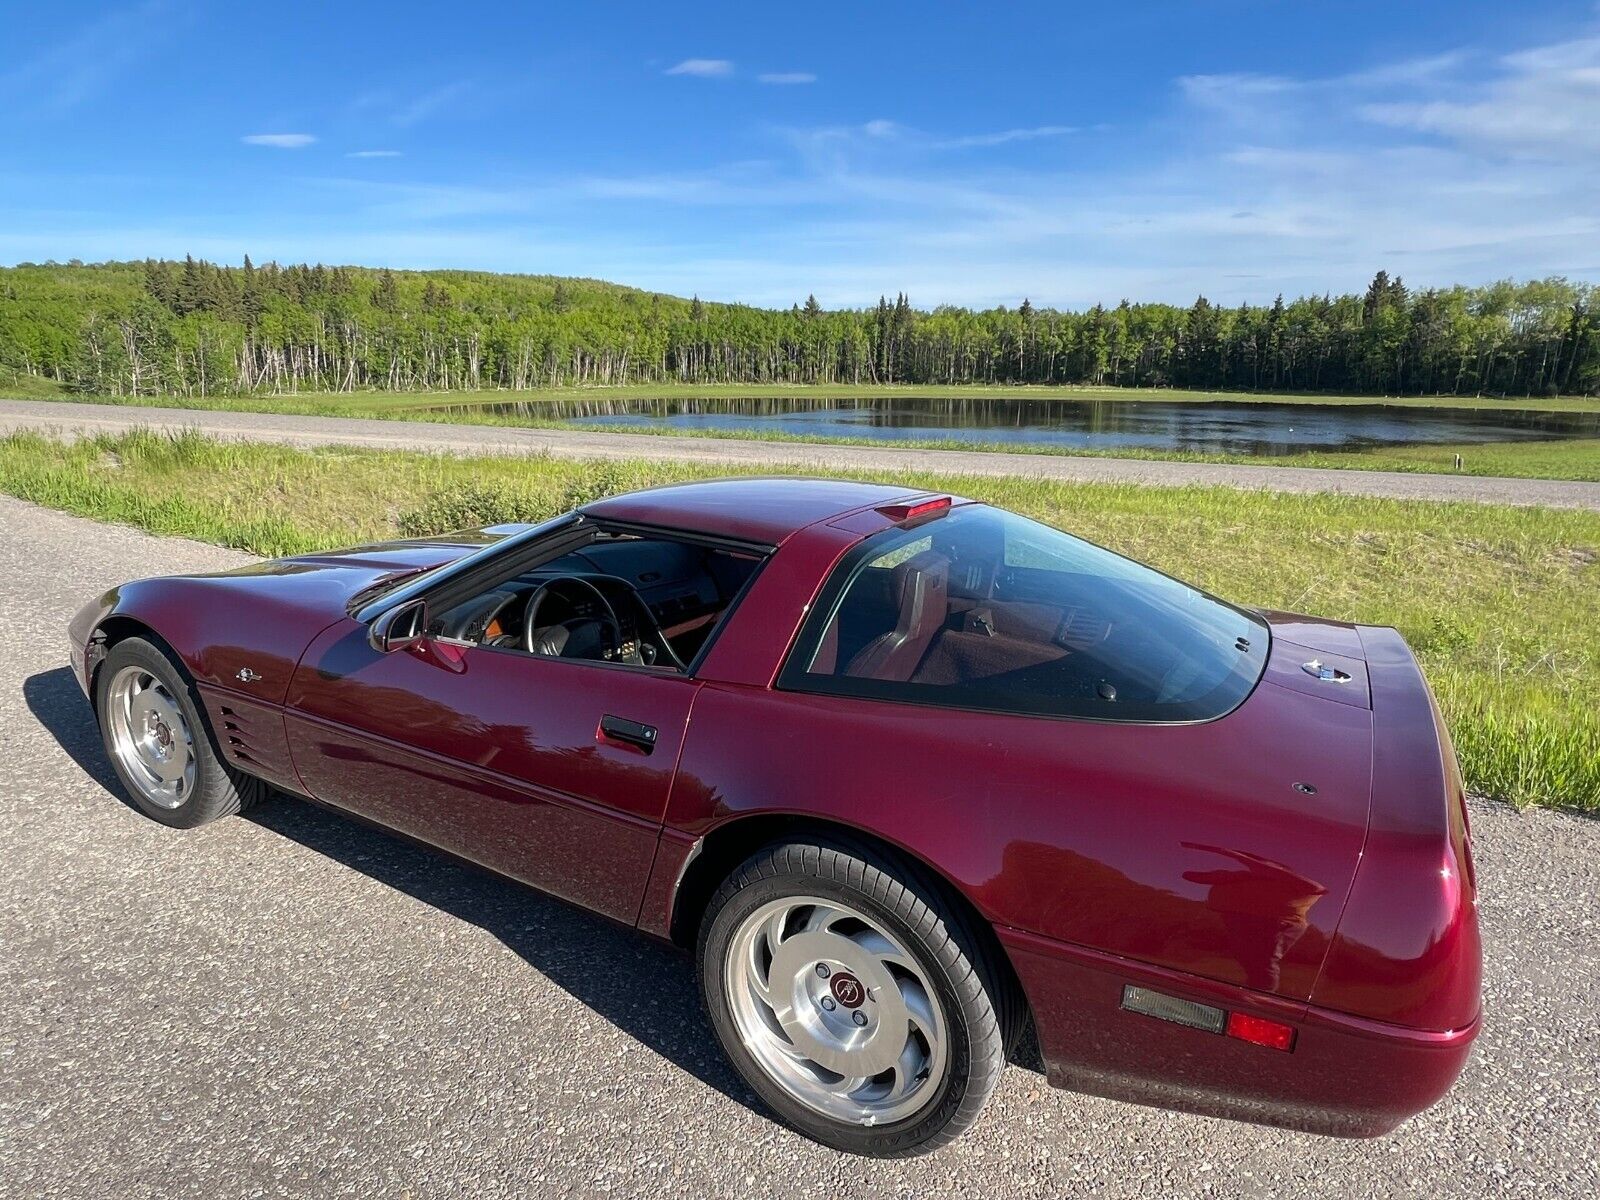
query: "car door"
553, 771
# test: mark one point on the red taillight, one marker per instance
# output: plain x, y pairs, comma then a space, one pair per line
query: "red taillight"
1260, 1031
922, 508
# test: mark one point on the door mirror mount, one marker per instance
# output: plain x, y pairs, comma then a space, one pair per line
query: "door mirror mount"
400, 628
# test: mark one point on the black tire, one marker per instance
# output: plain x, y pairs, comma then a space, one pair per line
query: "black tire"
218, 790
980, 1002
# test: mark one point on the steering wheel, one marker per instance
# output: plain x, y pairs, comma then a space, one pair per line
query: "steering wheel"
574, 638
656, 643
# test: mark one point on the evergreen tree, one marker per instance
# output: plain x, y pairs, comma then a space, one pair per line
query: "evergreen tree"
386, 296
436, 298
249, 295
192, 327
1382, 293
159, 282
191, 293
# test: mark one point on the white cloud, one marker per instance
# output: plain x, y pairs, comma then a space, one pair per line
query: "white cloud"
373, 154
1004, 136
1246, 186
881, 129
1539, 103
1241, 98
431, 103
279, 141
705, 68
61, 77
786, 77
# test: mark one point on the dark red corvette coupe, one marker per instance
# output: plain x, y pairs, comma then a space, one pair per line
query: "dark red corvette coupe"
910, 774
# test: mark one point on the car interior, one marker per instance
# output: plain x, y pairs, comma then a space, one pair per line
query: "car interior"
644, 601
981, 620
913, 622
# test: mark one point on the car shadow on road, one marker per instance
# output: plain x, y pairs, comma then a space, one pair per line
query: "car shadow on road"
57, 703
645, 988
641, 986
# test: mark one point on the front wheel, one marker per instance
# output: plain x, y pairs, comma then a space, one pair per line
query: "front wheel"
157, 739
853, 999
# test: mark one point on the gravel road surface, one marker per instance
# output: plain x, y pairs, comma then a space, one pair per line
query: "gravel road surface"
70, 418
290, 1003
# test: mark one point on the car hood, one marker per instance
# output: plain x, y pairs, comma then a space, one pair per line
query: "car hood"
338, 576
253, 622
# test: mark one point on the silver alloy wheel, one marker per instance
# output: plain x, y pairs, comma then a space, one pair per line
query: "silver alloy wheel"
150, 737
836, 1010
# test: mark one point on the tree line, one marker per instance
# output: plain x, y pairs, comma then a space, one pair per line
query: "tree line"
196, 328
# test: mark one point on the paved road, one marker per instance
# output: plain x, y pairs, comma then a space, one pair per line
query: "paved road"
294, 1004
69, 418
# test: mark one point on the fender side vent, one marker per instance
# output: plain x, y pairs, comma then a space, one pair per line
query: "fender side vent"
237, 736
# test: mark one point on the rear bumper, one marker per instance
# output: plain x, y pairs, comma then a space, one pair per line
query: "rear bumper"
1346, 1076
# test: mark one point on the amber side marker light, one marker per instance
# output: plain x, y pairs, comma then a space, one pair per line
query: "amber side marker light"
1258, 1031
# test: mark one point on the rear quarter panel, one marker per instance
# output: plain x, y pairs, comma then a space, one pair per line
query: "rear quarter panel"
1184, 846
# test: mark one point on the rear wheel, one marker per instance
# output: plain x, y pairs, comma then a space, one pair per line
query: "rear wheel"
158, 741
853, 999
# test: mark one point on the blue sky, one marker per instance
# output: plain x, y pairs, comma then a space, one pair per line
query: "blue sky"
963, 153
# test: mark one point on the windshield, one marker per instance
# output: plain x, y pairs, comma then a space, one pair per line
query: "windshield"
387, 593
987, 610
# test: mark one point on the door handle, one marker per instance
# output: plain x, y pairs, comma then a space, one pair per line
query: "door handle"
631, 733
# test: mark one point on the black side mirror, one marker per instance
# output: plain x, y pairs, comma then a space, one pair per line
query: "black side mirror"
400, 628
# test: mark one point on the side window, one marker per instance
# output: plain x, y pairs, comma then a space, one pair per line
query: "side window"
894, 605
984, 610
609, 597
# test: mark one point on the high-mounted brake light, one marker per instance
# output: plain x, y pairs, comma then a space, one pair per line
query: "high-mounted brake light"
922, 508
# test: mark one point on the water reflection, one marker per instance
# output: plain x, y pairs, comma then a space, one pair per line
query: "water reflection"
1261, 429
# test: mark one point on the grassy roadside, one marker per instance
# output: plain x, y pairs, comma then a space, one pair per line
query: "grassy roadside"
1500, 604
1573, 459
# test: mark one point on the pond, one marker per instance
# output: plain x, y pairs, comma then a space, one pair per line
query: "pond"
1218, 427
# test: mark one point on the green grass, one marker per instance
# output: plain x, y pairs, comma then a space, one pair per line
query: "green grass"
17, 385
1575, 458
1501, 604
1571, 459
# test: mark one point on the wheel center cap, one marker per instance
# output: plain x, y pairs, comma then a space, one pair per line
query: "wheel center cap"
847, 989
